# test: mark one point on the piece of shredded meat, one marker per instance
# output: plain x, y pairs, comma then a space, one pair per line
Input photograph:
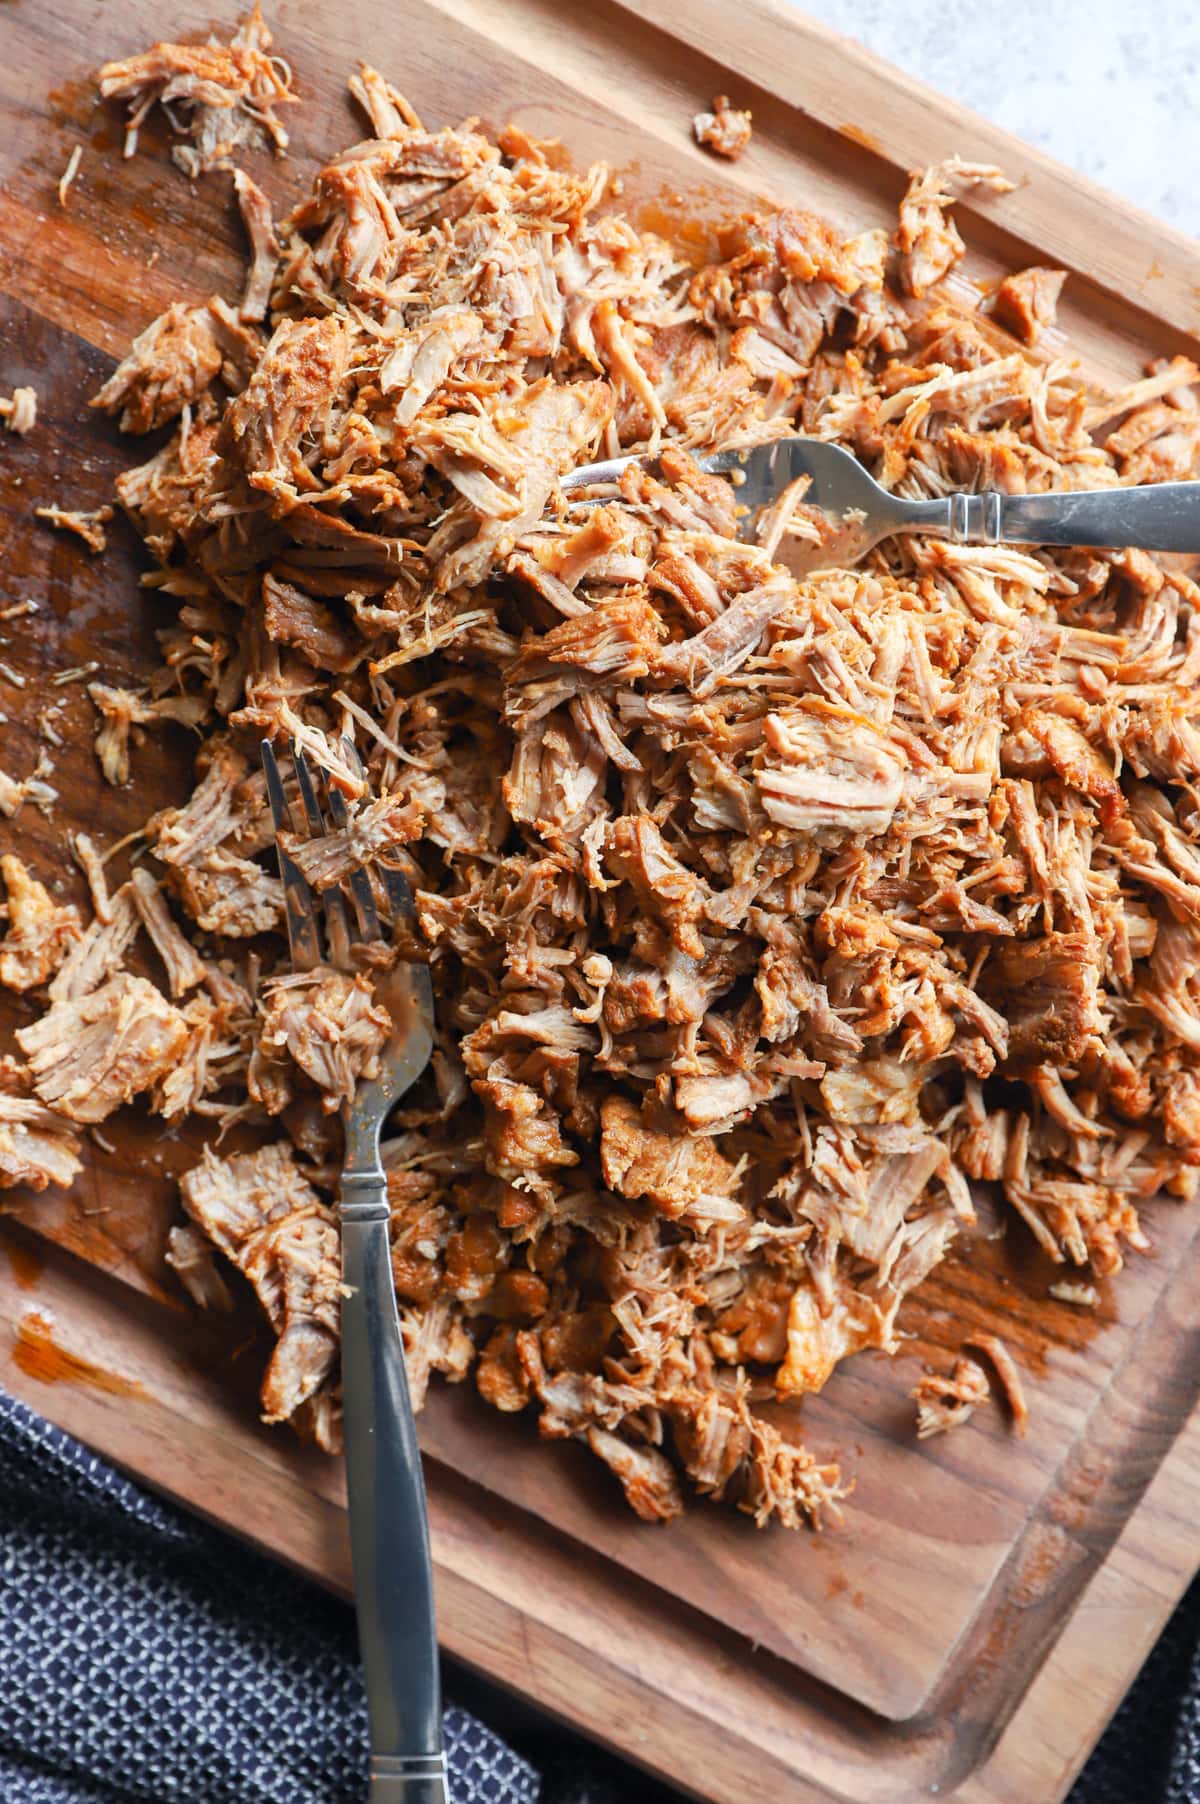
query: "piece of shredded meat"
192, 1258
88, 1056
264, 246
726, 130
87, 526
40, 931
19, 411
946, 1402
268, 1220
765, 916
37, 1146
1007, 1373
1027, 302
325, 1024
217, 97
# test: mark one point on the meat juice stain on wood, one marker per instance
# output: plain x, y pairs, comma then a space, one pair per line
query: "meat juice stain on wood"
865, 139
40, 1356
76, 100
700, 225
26, 1267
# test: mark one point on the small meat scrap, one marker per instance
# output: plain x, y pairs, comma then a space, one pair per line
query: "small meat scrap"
944, 1403
929, 243
648, 1479
40, 931
225, 893
19, 411
123, 711
726, 130
1028, 302
89, 1056
37, 1147
213, 1059
218, 97
16, 791
87, 526
265, 1216
69, 173
434, 1341
92, 865
1006, 1371
190, 1255
1070, 1290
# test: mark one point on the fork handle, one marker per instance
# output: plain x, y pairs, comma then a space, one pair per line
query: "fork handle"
389, 1530
1155, 516
408, 1782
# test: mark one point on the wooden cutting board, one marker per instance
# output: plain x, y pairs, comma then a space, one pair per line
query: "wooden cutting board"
929, 1641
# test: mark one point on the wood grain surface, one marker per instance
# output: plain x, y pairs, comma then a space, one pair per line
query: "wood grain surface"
909, 1647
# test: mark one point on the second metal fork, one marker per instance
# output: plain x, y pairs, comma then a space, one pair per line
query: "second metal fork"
389, 1530
1158, 516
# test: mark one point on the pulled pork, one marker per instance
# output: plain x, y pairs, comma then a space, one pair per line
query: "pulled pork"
944, 1403
87, 526
40, 930
19, 411
726, 130
764, 914
217, 97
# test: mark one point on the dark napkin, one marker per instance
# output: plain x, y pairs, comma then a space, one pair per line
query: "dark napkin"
144, 1655
1150, 1752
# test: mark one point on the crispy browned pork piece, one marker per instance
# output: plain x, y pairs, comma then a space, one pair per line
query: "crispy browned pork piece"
40, 931
218, 97
765, 916
1027, 302
726, 130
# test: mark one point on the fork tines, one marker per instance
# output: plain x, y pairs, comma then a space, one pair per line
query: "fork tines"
301, 903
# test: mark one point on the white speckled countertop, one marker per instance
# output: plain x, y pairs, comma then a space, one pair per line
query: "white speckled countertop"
1106, 86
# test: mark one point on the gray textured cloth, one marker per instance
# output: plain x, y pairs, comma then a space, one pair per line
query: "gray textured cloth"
1150, 1752
144, 1655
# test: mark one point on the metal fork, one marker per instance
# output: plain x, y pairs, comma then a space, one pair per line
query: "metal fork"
1159, 516
389, 1529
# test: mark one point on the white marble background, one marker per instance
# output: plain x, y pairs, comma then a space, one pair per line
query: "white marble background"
1110, 87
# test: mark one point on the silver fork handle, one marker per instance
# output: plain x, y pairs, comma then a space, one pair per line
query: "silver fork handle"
1157, 516
408, 1782
389, 1530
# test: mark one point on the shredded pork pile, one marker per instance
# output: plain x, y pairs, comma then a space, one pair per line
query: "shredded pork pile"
764, 914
